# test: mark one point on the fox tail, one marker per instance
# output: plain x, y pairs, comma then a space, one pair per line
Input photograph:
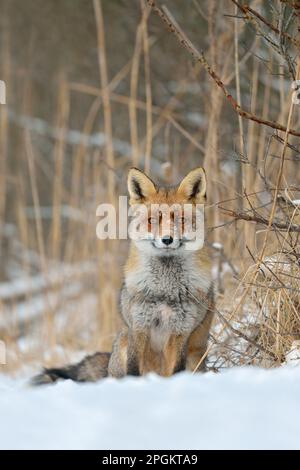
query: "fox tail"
90, 369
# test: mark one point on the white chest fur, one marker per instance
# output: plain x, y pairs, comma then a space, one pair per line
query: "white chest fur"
160, 330
167, 275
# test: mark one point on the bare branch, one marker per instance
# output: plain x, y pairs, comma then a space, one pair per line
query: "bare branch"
246, 10
260, 220
167, 18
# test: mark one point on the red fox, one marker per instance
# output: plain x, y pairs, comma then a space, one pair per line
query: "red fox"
167, 298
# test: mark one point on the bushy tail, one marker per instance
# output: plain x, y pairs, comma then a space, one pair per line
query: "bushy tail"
90, 369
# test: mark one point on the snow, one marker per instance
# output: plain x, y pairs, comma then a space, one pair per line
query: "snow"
56, 275
242, 408
293, 356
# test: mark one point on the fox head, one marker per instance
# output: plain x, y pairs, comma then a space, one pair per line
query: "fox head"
167, 219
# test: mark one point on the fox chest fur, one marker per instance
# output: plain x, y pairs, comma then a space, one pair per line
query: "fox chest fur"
165, 296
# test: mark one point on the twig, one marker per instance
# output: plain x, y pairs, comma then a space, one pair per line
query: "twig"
105, 94
245, 9
167, 18
261, 220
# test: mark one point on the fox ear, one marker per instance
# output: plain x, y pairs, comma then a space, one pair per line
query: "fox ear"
193, 186
140, 186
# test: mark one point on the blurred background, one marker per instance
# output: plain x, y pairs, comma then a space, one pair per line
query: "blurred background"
95, 87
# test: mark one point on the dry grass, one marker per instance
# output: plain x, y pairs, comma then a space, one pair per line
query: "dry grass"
59, 290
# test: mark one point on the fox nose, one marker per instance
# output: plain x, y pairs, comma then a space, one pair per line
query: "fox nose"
167, 240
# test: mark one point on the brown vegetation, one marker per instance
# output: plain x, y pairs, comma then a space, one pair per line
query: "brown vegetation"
96, 87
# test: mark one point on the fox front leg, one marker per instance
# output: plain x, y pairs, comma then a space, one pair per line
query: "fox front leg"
133, 364
174, 355
117, 366
197, 344
136, 352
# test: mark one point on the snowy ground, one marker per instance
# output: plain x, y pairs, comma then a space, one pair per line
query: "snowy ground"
243, 408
